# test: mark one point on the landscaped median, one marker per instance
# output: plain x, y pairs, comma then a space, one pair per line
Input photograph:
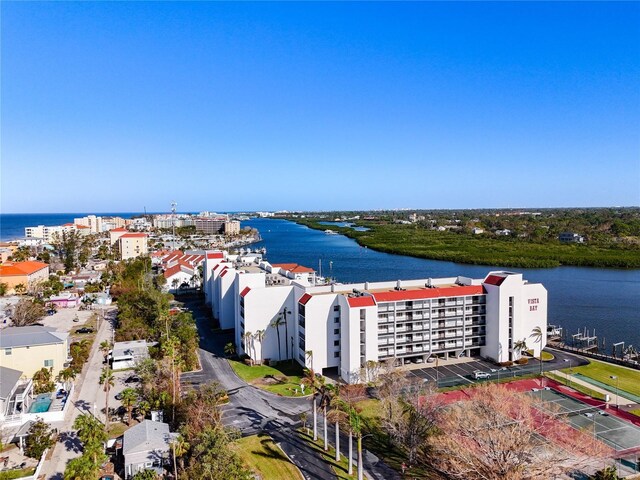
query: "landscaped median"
283, 379
266, 459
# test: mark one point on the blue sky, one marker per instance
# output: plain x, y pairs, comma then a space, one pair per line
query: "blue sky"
244, 106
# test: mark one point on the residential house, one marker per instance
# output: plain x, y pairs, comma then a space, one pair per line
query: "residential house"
31, 348
570, 237
15, 392
127, 354
146, 446
23, 273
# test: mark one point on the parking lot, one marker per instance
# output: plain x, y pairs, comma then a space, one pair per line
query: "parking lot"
448, 374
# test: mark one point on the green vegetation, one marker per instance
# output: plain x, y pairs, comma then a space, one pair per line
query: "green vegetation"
40, 438
341, 469
266, 459
628, 380
547, 357
283, 379
576, 386
635, 412
612, 237
14, 474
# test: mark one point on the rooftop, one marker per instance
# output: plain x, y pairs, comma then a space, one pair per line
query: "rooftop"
30, 336
21, 268
146, 436
8, 380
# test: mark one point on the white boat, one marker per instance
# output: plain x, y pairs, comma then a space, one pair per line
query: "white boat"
331, 232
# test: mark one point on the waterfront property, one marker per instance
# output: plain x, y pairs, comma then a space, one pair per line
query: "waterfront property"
285, 311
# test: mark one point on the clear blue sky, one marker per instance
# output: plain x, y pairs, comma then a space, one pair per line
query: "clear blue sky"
244, 106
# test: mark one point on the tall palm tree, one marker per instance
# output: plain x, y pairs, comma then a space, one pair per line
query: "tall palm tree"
105, 346
106, 379
326, 393
65, 376
229, 349
337, 415
355, 423
313, 382
180, 448
536, 334
260, 337
309, 355
284, 313
276, 323
246, 339
128, 400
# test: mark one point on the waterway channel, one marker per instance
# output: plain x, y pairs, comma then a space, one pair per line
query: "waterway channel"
606, 300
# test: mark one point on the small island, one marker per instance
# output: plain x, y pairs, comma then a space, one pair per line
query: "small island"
541, 238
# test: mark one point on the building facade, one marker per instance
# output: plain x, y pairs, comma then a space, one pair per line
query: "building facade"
32, 348
132, 245
286, 311
27, 274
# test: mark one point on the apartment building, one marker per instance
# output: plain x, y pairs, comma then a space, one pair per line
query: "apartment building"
28, 349
342, 326
232, 227
211, 225
47, 233
26, 274
132, 245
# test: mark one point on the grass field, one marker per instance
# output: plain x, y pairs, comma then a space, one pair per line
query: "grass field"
283, 379
13, 474
628, 379
341, 469
547, 357
266, 459
420, 242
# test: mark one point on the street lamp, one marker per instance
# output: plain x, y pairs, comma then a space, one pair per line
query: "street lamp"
568, 379
615, 377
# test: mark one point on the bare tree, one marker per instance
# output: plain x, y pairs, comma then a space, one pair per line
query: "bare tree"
499, 433
27, 312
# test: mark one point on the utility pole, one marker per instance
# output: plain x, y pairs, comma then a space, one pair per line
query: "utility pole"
173, 222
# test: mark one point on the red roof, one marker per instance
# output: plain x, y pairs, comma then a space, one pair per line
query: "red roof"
422, 293
494, 280
82, 226
224, 272
245, 291
133, 235
304, 299
363, 301
21, 268
68, 225
293, 267
215, 255
121, 229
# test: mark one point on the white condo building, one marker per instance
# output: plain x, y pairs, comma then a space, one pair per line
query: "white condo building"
343, 326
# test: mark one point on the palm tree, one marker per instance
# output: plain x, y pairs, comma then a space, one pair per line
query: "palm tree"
129, 398
246, 338
326, 393
284, 313
174, 283
180, 448
355, 424
276, 323
536, 334
65, 376
229, 349
336, 414
260, 337
309, 356
303, 420
106, 379
105, 346
313, 382
520, 346
143, 408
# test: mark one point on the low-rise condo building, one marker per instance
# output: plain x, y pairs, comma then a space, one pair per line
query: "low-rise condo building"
132, 245
285, 311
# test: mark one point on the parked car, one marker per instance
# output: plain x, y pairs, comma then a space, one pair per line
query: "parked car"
479, 375
119, 396
132, 379
84, 330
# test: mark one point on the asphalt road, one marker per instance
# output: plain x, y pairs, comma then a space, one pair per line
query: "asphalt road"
252, 410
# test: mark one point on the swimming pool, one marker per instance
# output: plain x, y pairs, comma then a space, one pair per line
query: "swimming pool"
41, 403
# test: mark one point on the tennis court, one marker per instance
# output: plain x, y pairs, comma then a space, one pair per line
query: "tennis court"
609, 429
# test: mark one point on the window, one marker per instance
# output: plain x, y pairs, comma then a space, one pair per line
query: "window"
7, 351
336, 308
363, 314
336, 320
336, 343
336, 331
336, 354
48, 363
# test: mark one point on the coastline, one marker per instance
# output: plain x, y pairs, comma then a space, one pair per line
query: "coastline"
451, 247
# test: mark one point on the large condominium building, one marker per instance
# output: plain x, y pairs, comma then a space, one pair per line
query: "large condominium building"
211, 225
48, 234
343, 326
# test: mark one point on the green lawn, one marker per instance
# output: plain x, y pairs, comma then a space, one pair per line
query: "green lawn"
283, 379
636, 412
546, 356
266, 459
341, 469
628, 379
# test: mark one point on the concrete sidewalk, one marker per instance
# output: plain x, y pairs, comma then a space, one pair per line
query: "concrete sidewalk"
620, 401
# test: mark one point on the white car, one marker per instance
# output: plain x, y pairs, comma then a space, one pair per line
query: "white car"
479, 375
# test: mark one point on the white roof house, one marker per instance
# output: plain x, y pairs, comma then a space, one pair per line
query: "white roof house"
146, 446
